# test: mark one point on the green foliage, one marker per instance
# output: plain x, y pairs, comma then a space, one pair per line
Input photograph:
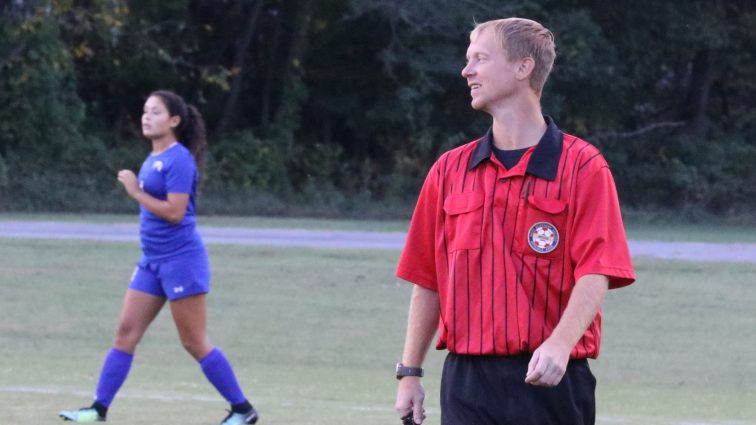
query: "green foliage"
41, 111
3, 174
333, 102
676, 171
49, 163
585, 70
243, 161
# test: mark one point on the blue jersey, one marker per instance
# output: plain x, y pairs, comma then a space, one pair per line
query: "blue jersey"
171, 171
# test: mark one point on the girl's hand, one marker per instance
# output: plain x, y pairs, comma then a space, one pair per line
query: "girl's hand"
129, 182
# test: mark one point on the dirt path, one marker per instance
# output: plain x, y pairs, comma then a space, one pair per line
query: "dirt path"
690, 251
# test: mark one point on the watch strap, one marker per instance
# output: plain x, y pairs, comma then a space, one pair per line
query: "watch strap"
402, 371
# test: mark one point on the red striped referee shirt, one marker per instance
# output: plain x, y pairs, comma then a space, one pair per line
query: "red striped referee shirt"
504, 247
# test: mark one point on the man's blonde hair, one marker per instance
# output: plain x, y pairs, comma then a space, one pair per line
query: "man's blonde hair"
522, 38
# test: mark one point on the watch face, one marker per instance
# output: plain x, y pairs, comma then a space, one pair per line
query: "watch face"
399, 370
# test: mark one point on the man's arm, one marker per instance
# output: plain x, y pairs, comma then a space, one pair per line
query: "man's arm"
424, 313
549, 361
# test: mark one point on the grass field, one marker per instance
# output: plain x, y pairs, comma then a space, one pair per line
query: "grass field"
314, 334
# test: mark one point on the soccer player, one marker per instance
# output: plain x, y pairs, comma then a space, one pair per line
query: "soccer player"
174, 265
515, 239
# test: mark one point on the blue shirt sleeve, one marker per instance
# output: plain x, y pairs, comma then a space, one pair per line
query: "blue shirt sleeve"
181, 175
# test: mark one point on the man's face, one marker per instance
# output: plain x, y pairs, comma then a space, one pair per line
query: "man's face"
490, 76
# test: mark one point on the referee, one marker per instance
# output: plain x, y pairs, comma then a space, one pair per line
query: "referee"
514, 242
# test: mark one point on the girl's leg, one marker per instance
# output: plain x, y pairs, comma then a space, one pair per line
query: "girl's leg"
139, 310
190, 315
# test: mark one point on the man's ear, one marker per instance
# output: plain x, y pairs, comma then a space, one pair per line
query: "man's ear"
525, 68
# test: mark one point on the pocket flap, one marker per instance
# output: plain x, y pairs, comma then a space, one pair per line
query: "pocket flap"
463, 202
551, 206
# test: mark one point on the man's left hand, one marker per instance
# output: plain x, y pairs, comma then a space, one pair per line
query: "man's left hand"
548, 364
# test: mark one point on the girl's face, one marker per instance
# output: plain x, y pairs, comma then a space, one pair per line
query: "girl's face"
157, 122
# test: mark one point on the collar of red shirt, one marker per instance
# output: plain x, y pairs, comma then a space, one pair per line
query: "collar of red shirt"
545, 158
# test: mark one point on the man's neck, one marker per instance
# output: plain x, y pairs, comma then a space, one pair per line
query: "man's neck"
518, 128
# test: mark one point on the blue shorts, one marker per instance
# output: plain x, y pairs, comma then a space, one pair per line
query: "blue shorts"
173, 279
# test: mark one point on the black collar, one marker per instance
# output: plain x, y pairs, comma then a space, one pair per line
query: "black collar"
545, 159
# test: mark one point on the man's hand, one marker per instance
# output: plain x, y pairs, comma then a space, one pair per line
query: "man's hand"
410, 397
548, 364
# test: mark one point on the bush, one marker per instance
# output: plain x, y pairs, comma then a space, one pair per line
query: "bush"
680, 172
248, 164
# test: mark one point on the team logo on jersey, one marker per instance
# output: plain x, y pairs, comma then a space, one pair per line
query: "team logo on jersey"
543, 237
157, 166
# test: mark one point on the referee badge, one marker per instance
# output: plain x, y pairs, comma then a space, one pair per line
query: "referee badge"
543, 237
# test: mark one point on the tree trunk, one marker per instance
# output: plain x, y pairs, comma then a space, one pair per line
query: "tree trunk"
271, 76
239, 59
697, 100
291, 101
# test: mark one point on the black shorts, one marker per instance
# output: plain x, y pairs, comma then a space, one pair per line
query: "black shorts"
491, 390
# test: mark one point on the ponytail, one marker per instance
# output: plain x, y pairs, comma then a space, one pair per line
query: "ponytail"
194, 136
191, 129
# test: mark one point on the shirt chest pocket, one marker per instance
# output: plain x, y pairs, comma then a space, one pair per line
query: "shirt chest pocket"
541, 227
463, 215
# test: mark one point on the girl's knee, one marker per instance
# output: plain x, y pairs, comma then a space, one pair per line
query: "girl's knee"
196, 347
127, 336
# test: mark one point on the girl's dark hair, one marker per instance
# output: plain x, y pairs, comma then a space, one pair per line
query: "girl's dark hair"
191, 130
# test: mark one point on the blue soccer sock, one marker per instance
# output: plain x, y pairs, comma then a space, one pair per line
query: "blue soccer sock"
219, 372
114, 371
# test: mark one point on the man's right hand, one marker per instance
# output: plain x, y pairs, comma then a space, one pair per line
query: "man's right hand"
410, 397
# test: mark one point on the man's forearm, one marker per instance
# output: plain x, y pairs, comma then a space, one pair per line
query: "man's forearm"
424, 313
585, 302
549, 361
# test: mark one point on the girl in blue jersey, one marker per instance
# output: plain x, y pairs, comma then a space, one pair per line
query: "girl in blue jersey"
174, 265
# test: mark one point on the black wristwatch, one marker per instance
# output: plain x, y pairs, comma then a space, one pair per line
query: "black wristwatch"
402, 371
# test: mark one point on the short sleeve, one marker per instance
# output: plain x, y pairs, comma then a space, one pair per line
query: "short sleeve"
599, 244
180, 176
417, 263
